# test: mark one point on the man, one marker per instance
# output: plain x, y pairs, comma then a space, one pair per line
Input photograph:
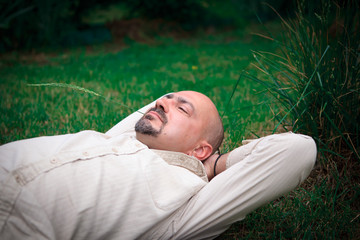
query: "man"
148, 184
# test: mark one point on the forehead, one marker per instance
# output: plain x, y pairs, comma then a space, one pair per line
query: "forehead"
181, 98
194, 99
200, 103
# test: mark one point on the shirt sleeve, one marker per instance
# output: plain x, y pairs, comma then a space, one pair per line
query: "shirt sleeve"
272, 166
128, 123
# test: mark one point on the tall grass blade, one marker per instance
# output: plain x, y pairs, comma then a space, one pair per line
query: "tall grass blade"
80, 89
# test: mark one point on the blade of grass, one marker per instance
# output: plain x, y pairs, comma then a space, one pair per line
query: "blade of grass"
81, 89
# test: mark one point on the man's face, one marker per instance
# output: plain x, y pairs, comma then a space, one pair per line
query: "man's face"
176, 123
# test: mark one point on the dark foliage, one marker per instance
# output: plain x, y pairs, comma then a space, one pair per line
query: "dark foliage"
188, 12
27, 24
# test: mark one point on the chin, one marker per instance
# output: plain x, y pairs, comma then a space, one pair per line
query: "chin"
145, 139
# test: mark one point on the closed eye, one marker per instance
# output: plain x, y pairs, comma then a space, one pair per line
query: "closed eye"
183, 110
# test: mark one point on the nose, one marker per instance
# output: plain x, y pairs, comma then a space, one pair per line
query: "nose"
163, 103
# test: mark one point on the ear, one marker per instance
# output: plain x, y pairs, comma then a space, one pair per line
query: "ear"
203, 151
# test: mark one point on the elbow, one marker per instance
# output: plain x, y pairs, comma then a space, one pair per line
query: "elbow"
302, 152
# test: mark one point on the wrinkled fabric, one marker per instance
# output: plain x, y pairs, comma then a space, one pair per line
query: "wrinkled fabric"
90, 186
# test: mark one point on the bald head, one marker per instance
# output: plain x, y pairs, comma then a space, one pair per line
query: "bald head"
213, 130
185, 122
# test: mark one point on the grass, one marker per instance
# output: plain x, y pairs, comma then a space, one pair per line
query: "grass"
132, 76
302, 214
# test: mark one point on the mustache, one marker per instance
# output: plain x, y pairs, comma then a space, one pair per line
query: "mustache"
159, 111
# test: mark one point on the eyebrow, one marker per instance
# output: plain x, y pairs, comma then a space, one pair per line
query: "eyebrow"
169, 96
180, 100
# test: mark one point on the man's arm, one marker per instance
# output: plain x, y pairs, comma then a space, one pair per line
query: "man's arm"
261, 171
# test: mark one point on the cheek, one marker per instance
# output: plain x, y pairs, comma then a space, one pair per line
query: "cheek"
180, 131
173, 133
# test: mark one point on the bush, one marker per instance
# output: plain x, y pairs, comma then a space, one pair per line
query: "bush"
314, 86
315, 78
42, 24
194, 13
38, 23
190, 13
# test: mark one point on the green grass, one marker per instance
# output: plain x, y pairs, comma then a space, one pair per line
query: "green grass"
132, 76
305, 216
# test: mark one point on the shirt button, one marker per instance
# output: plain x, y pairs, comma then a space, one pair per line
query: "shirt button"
138, 144
54, 160
114, 150
85, 154
17, 178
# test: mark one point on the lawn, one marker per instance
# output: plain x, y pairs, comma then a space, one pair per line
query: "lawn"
128, 78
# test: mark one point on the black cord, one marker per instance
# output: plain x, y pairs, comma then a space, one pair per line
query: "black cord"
216, 163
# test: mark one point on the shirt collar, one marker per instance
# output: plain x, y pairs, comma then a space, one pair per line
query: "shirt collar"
182, 160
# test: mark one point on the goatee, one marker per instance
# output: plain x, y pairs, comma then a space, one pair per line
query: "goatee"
144, 125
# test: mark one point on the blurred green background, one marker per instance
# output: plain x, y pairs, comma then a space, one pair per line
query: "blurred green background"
38, 23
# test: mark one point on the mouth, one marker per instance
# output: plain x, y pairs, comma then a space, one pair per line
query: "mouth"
156, 113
